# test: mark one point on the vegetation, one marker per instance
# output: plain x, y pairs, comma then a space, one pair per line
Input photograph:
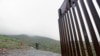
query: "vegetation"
15, 41
10, 43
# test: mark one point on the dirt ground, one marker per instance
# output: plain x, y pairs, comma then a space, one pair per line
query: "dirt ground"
29, 52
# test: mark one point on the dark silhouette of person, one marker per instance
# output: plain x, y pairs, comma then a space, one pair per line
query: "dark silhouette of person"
37, 45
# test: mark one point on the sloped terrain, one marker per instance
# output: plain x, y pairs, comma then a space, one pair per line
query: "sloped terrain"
25, 41
10, 43
45, 43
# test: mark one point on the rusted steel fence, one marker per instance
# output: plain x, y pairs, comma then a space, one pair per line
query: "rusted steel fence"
79, 26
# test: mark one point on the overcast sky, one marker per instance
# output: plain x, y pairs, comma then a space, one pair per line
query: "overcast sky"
32, 17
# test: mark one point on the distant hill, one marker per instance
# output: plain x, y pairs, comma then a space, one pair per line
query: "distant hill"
45, 43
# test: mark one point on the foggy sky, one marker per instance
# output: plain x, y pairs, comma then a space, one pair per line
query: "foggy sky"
31, 17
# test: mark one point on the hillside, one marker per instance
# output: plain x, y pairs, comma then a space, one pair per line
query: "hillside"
44, 42
10, 43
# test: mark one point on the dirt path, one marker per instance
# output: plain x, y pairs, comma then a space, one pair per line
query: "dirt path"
30, 52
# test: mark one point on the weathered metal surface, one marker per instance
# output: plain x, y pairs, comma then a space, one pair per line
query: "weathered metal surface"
79, 28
